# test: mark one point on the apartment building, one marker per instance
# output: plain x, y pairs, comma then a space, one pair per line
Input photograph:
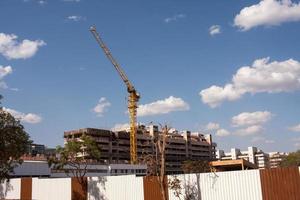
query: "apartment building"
253, 155
181, 146
275, 158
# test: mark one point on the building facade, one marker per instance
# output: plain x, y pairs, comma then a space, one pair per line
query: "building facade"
275, 158
253, 155
180, 146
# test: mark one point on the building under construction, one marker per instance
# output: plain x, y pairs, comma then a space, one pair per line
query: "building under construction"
180, 146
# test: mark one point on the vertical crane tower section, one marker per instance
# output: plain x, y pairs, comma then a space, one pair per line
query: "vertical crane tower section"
133, 96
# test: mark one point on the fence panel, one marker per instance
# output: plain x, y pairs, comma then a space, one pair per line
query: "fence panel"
51, 188
115, 188
11, 189
280, 183
234, 185
152, 188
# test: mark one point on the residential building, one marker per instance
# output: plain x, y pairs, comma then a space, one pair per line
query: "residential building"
253, 155
275, 158
181, 146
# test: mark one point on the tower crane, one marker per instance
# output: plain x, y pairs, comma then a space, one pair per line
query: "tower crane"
133, 96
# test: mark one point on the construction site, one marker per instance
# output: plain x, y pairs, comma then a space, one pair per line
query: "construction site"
180, 146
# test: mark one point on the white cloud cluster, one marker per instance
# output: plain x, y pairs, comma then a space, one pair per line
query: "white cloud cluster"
214, 29
262, 76
102, 106
249, 119
222, 132
12, 49
121, 127
4, 71
174, 18
212, 126
295, 128
260, 139
164, 106
250, 123
267, 13
30, 118
75, 18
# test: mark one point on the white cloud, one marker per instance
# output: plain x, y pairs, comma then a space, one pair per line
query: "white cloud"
222, 133
260, 139
295, 128
102, 106
251, 130
75, 18
164, 106
12, 49
214, 29
211, 126
215, 95
267, 13
41, 2
30, 118
4, 71
71, 0
121, 127
174, 18
269, 141
262, 76
249, 119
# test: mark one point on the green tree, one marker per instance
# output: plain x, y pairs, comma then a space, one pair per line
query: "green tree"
75, 156
293, 159
13, 143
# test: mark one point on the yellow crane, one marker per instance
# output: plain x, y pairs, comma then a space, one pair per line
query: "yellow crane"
133, 96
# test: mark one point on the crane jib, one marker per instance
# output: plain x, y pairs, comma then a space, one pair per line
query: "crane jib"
133, 97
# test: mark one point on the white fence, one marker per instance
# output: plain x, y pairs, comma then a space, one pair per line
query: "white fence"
234, 185
115, 188
11, 189
51, 188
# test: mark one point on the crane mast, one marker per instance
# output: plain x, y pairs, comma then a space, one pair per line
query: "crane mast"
133, 96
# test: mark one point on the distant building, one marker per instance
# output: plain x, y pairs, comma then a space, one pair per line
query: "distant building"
40, 168
275, 158
232, 165
39, 150
253, 155
36, 149
181, 146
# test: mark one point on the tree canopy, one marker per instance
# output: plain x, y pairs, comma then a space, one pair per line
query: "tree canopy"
75, 156
293, 159
13, 143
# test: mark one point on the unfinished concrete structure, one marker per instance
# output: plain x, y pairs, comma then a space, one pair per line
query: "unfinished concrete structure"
253, 155
181, 146
275, 158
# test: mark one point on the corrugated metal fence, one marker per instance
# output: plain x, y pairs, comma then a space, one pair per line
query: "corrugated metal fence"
280, 183
243, 185
270, 184
116, 187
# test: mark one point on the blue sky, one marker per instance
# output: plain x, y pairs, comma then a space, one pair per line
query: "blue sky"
192, 62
